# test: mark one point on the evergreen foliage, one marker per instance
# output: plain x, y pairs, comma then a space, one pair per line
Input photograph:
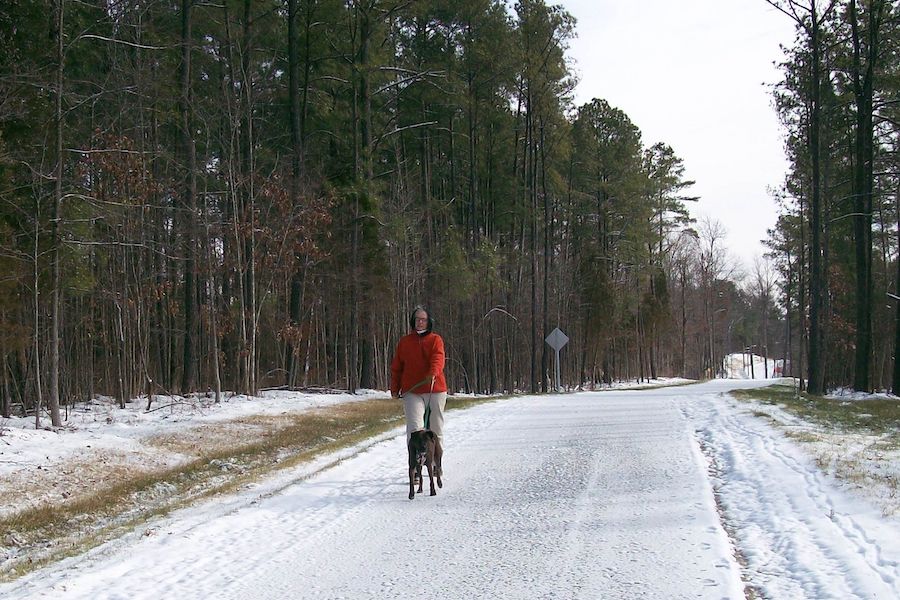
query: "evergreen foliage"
844, 188
256, 193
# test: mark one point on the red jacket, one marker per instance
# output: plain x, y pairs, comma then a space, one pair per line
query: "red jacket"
416, 357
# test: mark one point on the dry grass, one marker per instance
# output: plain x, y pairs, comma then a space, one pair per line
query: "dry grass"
856, 441
876, 415
807, 437
28, 488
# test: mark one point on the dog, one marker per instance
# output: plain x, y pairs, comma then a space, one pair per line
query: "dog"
424, 449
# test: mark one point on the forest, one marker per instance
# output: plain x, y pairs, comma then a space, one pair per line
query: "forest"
246, 194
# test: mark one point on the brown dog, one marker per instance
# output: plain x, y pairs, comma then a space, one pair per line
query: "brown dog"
424, 449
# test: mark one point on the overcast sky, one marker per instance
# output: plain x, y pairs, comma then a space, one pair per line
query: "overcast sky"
695, 74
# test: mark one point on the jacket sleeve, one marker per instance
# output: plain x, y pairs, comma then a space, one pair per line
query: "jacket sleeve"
396, 372
437, 357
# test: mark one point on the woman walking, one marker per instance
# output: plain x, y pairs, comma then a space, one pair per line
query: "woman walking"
417, 376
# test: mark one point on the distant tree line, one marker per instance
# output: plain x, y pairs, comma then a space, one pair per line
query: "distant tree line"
198, 196
836, 241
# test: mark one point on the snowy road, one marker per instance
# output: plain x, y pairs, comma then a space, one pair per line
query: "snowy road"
602, 495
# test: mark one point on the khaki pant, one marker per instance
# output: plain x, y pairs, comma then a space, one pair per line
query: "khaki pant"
425, 411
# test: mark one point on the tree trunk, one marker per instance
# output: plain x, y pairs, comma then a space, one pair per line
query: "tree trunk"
863, 91
531, 195
295, 303
815, 383
55, 291
895, 379
683, 322
545, 354
787, 354
211, 307
38, 392
359, 136
189, 200
249, 193
6, 403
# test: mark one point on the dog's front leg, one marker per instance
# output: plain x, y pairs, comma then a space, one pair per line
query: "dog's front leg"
412, 484
438, 455
419, 473
431, 480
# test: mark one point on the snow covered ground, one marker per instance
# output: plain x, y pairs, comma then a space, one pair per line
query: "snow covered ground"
662, 493
102, 424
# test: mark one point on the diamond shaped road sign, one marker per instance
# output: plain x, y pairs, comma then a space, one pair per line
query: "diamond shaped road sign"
557, 339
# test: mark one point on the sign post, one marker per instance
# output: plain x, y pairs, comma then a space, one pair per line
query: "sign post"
556, 340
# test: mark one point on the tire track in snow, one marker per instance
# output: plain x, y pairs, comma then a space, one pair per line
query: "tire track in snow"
785, 514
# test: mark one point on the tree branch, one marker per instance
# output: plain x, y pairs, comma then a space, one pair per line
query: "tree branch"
91, 36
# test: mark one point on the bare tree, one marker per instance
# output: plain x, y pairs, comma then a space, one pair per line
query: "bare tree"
763, 287
713, 265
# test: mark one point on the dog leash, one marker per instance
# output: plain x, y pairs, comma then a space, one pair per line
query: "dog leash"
415, 385
428, 406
